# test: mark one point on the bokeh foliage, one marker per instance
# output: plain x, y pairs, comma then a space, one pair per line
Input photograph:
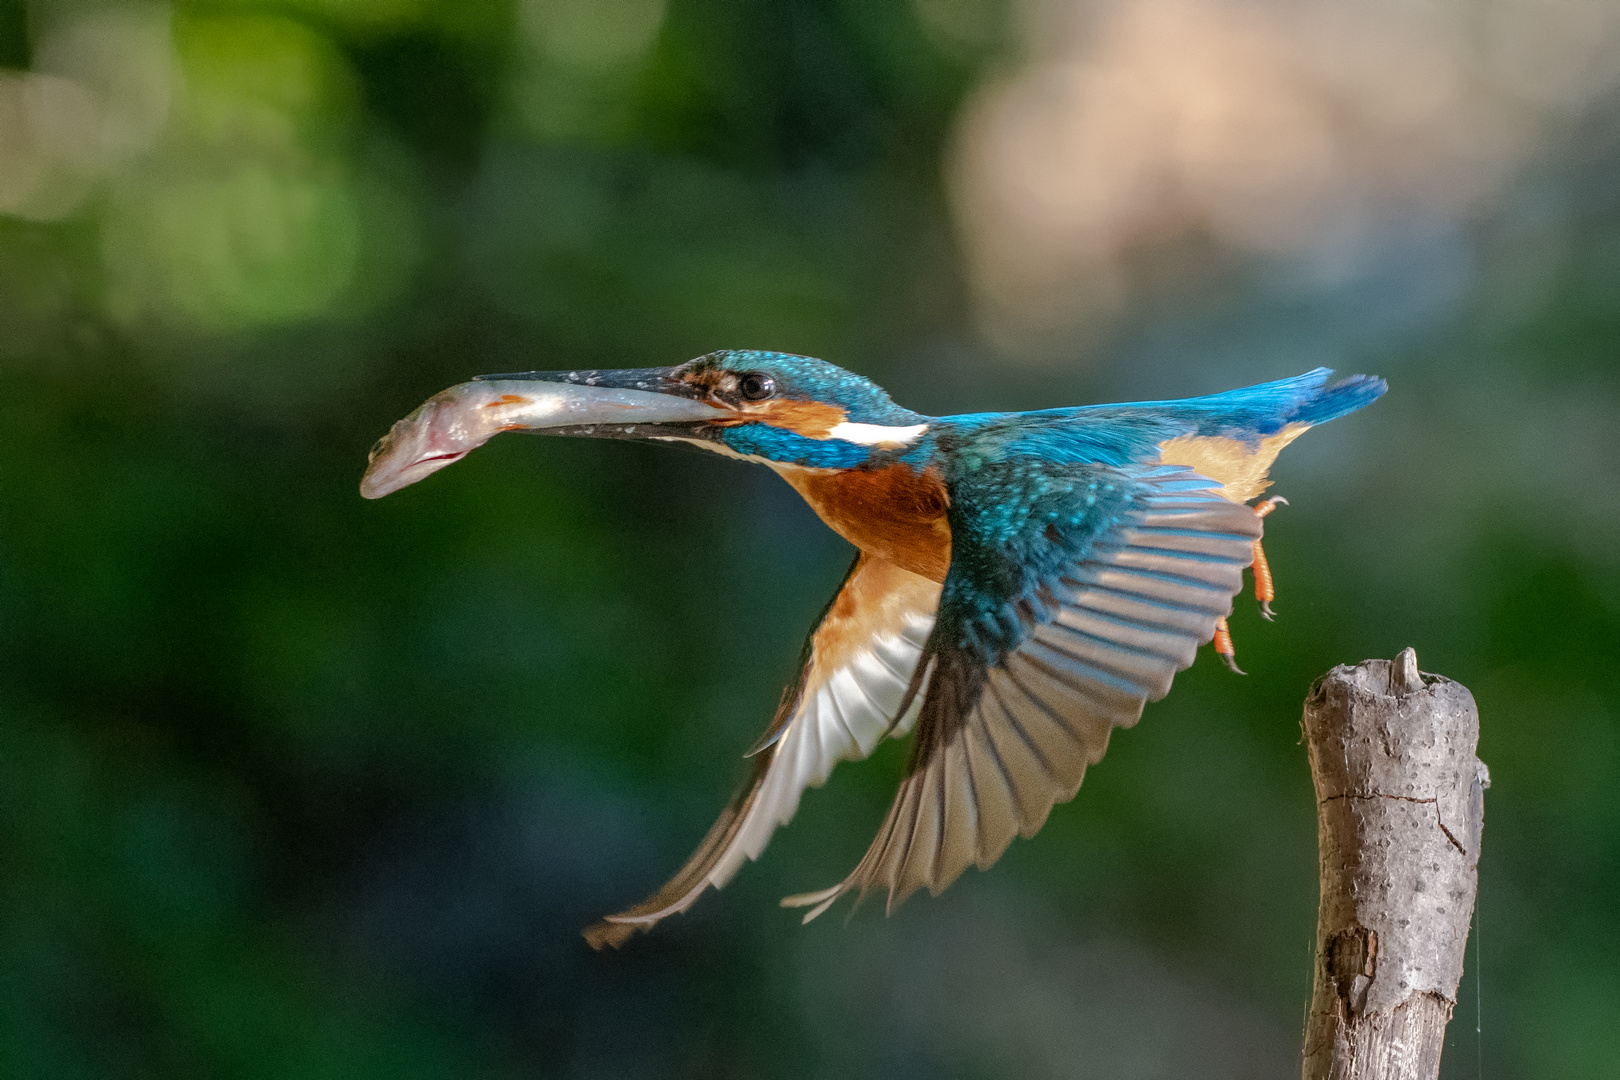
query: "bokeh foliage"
296, 785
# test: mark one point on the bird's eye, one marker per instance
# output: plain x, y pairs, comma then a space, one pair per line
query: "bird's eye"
756, 386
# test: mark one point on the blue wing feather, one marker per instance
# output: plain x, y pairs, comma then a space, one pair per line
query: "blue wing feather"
1075, 594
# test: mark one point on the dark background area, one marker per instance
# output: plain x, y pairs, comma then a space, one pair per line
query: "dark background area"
296, 785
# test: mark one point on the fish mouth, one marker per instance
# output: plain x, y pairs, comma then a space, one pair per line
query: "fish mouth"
444, 459
631, 403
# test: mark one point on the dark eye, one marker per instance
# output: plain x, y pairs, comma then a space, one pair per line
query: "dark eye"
756, 386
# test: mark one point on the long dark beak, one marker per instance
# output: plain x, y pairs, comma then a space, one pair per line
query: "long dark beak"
632, 403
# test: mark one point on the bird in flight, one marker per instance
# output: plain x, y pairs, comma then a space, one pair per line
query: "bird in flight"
1024, 582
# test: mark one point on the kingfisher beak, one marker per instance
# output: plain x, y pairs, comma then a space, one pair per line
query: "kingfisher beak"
627, 404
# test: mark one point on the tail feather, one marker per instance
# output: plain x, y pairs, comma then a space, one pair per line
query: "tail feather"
1340, 399
1267, 408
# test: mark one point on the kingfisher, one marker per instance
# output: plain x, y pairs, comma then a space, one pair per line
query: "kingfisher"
1023, 582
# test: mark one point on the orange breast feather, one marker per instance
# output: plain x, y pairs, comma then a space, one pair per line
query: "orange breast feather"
893, 513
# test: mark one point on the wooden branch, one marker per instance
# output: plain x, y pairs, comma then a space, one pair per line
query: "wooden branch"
1400, 805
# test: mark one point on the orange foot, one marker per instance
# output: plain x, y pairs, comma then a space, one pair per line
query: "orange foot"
1224, 647
1264, 590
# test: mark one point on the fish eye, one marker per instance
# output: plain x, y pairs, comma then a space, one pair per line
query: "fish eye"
756, 386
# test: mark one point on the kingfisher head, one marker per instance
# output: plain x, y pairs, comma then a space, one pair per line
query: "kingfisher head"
762, 406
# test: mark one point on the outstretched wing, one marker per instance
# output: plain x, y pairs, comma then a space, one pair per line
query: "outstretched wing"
1075, 594
857, 664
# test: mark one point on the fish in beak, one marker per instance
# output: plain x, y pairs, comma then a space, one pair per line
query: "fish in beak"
634, 403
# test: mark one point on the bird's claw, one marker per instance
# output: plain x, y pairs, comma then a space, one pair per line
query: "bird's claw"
1224, 647
1265, 610
1266, 506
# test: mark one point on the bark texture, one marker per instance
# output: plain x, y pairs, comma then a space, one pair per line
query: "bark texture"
1400, 806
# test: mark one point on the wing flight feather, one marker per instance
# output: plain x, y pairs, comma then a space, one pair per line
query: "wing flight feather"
1001, 739
858, 664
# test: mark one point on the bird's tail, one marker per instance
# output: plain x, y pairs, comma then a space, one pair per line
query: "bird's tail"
1340, 399
1268, 407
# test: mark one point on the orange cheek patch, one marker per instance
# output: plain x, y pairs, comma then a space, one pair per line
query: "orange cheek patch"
505, 399
812, 419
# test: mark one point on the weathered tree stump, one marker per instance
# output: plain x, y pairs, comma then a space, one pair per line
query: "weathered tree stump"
1399, 796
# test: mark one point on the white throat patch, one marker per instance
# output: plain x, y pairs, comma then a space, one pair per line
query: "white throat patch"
878, 435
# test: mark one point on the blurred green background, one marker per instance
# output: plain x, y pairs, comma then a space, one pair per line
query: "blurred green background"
295, 785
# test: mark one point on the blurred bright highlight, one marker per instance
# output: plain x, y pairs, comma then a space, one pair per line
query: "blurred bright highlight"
1295, 130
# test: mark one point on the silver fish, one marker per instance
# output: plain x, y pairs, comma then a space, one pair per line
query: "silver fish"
451, 424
